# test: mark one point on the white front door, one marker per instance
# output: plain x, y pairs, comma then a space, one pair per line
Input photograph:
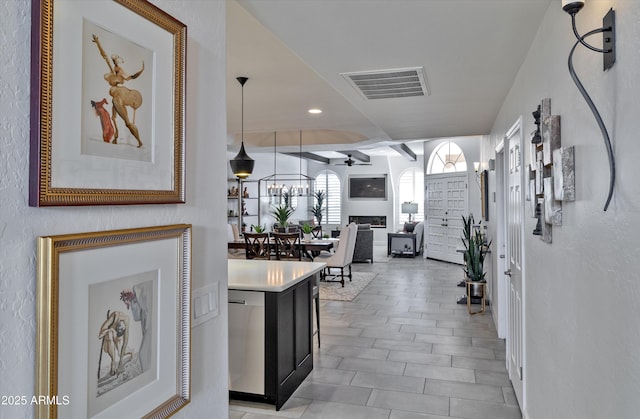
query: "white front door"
446, 203
515, 210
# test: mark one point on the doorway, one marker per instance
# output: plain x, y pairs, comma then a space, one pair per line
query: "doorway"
510, 252
500, 286
447, 201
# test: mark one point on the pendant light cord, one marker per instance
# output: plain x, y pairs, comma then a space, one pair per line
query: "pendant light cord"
242, 117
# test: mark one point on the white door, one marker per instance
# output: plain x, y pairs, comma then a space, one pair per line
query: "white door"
514, 212
446, 203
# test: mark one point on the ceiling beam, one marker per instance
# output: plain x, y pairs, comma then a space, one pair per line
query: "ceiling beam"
357, 155
404, 151
309, 156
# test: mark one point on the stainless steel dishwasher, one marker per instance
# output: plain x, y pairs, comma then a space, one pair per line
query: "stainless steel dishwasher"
246, 341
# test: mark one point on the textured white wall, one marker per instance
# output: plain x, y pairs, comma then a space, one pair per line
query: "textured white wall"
205, 177
582, 291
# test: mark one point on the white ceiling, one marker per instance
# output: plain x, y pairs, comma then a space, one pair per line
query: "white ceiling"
294, 52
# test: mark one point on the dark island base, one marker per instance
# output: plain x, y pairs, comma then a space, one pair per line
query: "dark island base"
288, 358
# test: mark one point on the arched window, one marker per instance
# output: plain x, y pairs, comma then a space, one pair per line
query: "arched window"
329, 183
446, 158
411, 189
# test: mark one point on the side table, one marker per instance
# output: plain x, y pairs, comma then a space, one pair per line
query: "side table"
483, 288
401, 244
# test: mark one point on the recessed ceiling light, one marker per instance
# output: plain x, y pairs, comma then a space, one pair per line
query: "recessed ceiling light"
315, 110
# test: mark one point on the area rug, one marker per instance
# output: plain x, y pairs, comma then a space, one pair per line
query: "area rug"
334, 290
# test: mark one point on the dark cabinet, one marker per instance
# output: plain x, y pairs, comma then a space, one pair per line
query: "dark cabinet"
289, 334
288, 357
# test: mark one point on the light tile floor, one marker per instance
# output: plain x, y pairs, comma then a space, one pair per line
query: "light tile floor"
403, 349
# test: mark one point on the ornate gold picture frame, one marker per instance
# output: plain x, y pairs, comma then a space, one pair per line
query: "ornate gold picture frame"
484, 194
107, 104
113, 323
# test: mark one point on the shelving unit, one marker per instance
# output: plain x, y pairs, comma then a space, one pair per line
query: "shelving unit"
242, 202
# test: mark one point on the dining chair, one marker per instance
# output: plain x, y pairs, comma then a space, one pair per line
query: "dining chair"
343, 257
317, 232
288, 246
257, 246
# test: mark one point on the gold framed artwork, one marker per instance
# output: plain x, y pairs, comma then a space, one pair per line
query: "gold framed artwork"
484, 194
107, 104
113, 323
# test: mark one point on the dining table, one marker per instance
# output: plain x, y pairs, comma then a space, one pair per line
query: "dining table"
309, 247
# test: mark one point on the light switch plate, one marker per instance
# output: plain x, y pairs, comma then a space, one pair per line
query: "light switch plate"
204, 304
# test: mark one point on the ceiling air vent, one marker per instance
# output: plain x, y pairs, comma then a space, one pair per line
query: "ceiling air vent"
387, 84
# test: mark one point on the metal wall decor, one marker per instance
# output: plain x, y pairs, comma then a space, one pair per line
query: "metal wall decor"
564, 185
551, 172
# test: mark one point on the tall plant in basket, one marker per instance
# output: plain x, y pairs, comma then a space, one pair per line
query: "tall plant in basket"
475, 251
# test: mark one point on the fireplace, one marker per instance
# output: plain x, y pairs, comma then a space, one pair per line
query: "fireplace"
376, 221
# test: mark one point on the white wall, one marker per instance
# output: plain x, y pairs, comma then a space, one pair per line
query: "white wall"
393, 166
581, 291
21, 224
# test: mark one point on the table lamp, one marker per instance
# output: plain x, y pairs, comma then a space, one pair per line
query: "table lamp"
409, 208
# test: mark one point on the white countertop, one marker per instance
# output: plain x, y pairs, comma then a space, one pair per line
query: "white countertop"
268, 275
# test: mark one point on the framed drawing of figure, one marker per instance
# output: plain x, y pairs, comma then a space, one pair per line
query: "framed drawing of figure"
107, 104
113, 338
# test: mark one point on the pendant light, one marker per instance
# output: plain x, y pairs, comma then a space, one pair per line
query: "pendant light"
242, 164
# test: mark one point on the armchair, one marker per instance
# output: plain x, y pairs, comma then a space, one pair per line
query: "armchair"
363, 251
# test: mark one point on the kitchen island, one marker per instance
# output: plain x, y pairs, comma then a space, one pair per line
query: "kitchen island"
270, 327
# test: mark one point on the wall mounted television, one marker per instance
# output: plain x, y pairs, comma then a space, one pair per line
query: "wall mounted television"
368, 187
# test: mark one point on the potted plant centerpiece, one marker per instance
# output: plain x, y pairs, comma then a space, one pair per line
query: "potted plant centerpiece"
258, 228
307, 229
476, 248
282, 214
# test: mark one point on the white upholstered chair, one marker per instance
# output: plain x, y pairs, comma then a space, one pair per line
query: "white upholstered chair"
343, 255
233, 235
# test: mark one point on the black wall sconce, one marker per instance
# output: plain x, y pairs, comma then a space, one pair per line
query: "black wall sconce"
609, 53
